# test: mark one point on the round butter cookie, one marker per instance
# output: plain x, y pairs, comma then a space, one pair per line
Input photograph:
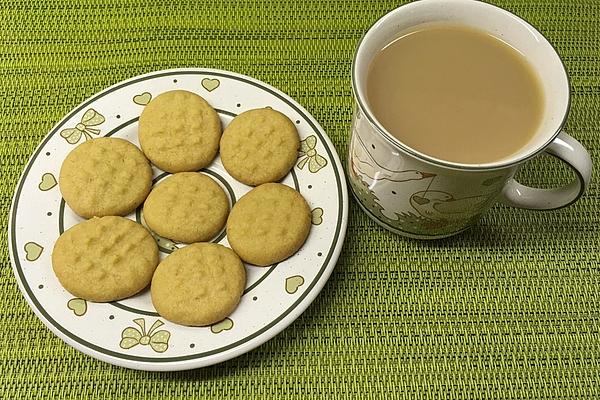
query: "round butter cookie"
105, 176
105, 259
259, 146
179, 131
187, 207
268, 224
198, 285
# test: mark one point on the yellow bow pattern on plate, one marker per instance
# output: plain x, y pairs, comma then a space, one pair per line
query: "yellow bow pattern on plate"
159, 341
90, 118
309, 155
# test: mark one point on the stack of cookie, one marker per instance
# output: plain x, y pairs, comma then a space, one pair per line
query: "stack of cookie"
109, 257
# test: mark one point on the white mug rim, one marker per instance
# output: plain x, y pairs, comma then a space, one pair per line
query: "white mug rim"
362, 104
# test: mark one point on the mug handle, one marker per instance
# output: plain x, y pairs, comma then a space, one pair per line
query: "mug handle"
568, 150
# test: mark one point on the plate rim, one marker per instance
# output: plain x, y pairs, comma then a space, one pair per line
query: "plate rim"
255, 339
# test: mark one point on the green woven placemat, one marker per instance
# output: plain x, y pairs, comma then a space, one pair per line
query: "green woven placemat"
509, 309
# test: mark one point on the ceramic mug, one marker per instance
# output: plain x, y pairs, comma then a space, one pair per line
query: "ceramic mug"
420, 196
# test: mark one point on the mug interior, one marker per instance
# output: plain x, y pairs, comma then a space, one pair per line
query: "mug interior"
498, 22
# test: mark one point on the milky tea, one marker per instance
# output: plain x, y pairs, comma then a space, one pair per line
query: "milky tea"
455, 93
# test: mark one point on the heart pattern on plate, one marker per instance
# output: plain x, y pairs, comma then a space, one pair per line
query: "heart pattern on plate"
48, 182
317, 216
293, 283
210, 84
224, 325
33, 251
142, 99
78, 306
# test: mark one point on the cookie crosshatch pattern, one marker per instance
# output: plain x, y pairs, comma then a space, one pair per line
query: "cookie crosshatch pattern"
273, 297
179, 131
259, 146
187, 207
105, 259
105, 176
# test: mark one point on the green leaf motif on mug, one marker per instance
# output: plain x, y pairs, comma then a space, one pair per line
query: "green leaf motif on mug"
420, 200
443, 206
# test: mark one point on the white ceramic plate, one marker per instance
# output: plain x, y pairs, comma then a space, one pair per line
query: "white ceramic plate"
130, 333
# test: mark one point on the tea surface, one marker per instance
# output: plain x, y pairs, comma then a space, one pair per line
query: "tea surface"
455, 93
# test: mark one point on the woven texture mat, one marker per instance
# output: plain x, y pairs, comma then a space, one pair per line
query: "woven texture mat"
509, 309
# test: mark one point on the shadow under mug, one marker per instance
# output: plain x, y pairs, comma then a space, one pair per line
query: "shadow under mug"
419, 196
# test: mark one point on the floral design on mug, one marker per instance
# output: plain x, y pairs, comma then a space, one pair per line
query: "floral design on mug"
442, 206
432, 210
403, 220
363, 163
368, 198
410, 199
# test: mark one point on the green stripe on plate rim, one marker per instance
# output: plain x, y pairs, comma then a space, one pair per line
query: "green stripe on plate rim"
127, 357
